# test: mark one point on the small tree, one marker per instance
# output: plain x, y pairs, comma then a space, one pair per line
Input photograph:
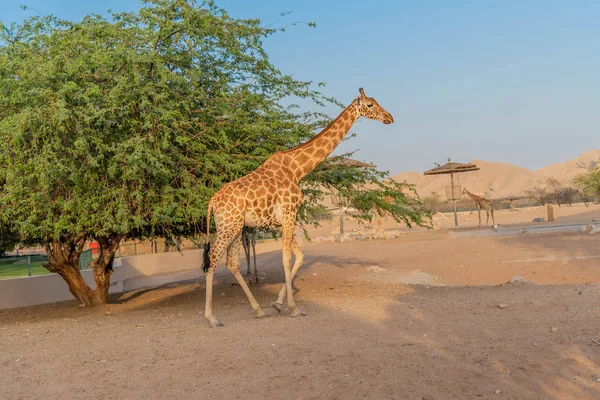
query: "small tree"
433, 203
556, 190
588, 184
537, 194
568, 195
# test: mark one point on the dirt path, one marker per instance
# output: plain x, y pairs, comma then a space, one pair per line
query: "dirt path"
368, 334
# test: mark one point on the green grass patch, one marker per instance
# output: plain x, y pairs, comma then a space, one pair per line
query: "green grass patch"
17, 266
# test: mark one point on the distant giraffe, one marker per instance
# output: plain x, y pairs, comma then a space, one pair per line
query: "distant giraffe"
381, 217
484, 203
249, 244
271, 196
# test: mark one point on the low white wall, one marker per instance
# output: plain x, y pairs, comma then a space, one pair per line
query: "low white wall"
157, 269
32, 290
130, 273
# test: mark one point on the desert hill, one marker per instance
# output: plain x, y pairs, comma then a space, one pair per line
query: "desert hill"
497, 180
566, 171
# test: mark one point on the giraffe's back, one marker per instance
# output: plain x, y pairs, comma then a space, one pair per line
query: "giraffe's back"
260, 198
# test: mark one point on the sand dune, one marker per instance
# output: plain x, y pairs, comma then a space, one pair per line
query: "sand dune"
497, 180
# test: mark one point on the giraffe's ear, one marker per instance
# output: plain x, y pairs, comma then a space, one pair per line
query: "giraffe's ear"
362, 92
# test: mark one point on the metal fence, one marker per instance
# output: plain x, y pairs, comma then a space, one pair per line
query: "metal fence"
469, 205
33, 264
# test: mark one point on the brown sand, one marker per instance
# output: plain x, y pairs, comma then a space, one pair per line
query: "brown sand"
369, 333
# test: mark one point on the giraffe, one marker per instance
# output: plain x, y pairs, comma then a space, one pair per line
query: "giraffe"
249, 244
271, 196
381, 219
484, 203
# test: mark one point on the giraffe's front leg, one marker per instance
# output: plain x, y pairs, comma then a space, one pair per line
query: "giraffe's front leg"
299, 258
287, 232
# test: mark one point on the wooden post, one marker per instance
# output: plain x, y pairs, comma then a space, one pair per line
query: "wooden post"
341, 225
550, 212
453, 201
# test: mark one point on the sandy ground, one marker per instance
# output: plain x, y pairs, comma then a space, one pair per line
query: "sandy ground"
405, 318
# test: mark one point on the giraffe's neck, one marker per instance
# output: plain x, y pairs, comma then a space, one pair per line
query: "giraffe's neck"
307, 156
474, 197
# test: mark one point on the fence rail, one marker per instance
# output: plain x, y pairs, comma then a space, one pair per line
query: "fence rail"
33, 264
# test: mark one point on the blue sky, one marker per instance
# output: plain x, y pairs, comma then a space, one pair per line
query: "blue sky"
505, 80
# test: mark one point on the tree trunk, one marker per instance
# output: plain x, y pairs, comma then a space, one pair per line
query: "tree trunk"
103, 265
77, 285
63, 258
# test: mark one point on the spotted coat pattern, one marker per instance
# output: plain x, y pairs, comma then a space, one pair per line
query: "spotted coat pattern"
270, 196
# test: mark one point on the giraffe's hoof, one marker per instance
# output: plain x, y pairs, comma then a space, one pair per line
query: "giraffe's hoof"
298, 313
216, 323
277, 306
260, 314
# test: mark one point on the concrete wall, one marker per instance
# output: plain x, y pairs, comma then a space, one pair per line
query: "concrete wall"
131, 273
32, 290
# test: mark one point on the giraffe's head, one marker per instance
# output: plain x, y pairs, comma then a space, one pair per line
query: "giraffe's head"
368, 107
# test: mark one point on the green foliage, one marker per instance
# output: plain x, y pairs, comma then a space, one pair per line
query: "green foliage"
127, 125
365, 189
8, 239
588, 184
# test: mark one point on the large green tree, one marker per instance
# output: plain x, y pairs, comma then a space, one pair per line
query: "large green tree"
123, 127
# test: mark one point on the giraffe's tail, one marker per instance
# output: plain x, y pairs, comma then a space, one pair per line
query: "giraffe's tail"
206, 263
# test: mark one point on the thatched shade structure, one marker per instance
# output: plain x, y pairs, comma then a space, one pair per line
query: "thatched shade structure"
349, 162
452, 168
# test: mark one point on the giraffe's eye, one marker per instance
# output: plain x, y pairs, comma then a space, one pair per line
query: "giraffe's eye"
370, 105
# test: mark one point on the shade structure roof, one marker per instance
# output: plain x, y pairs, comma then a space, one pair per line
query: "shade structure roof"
451, 168
349, 162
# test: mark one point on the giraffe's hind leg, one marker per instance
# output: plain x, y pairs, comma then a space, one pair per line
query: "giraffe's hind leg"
233, 265
246, 245
253, 243
219, 247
